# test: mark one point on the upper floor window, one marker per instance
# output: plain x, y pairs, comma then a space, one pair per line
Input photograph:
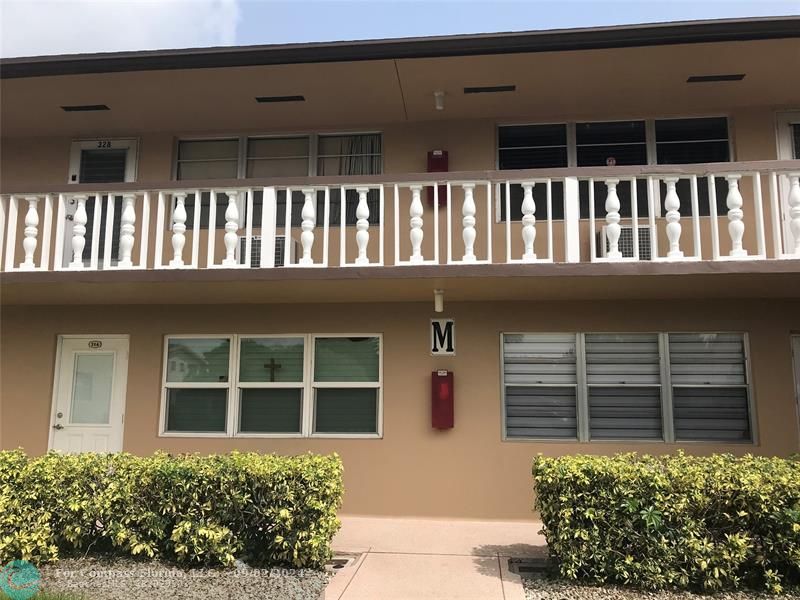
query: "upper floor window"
278, 157
614, 143
288, 156
532, 146
685, 141
350, 154
796, 139
208, 159
611, 143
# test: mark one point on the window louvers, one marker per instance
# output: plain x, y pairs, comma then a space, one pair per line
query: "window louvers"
620, 386
709, 387
623, 373
540, 374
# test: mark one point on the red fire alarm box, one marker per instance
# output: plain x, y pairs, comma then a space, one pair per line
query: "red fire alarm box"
442, 413
438, 163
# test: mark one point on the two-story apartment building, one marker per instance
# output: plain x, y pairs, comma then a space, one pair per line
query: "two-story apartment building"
593, 234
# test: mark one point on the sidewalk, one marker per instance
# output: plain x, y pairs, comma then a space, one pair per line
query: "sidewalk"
427, 559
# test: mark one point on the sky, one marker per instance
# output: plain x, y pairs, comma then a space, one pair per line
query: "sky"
38, 27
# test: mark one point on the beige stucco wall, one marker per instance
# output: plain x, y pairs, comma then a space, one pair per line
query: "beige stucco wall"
414, 470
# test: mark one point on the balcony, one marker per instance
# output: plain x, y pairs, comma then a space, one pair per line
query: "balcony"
712, 213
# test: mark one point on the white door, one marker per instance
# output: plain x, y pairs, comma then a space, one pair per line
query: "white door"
788, 130
89, 396
98, 161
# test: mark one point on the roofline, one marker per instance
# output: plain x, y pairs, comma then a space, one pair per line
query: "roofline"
552, 40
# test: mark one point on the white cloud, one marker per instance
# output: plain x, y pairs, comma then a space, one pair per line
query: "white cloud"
38, 27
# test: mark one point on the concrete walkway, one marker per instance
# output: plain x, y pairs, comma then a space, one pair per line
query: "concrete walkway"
426, 559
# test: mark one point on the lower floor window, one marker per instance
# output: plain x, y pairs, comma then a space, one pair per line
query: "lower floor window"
627, 386
296, 385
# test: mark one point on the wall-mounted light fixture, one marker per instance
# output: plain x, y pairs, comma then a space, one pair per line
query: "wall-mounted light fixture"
438, 99
438, 301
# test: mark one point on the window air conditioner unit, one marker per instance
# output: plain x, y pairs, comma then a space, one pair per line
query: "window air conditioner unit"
626, 242
280, 246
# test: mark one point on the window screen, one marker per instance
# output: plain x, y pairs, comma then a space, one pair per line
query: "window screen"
346, 384
623, 373
540, 379
196, 381
271, 373
685, 141
611, 143
532, 147
208, 159
360, 154
277, 157
617, 142
103, 166
796, 139
709, 386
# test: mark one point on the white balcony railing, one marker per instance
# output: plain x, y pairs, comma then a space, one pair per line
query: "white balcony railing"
614, 214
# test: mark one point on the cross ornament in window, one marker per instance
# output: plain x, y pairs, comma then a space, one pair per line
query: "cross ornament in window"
272, 366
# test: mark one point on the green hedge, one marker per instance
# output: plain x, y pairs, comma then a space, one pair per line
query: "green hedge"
265, 509
706, 523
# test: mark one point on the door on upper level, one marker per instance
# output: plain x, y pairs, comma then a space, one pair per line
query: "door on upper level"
99, 161
788, 129
89, 395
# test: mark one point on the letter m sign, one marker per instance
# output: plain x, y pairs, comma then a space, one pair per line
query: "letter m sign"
443, 337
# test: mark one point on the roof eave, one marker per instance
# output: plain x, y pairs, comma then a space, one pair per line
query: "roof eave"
653, 34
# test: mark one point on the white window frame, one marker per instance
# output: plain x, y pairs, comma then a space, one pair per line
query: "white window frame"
572, 146
207, 138
131, 158
301, 385
313, 147
233, 385
165, 386
244, 151
313, 386
667, 422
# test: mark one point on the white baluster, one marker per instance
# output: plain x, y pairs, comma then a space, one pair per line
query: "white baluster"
31, 230
417, 234
126, 230
528, 222
794, 211
672, 204
178, 230
362, 225
79, 221
468, 212
231, 237
735, 215
612, 220
309, 216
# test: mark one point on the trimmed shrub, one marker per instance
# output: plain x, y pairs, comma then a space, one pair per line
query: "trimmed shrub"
704, 523
200, 510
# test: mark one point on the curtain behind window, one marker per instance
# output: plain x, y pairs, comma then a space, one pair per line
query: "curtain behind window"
351, 155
